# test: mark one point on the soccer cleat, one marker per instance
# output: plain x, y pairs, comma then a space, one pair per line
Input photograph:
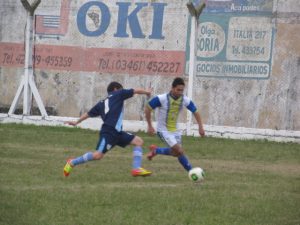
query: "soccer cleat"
68, 168
140, 172
152, 152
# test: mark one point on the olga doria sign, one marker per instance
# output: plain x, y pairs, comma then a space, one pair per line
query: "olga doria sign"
235, 40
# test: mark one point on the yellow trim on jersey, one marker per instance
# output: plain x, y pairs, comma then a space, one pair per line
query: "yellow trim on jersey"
149, 106
173, 112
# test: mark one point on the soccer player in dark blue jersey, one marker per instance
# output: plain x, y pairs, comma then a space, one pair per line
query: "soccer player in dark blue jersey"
111, 134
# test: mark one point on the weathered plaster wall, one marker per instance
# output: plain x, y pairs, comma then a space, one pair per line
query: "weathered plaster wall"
272, 102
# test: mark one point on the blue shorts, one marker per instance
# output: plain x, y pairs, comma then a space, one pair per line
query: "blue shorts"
109, 138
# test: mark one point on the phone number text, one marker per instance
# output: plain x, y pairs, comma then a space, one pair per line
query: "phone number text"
138, 65
54, 61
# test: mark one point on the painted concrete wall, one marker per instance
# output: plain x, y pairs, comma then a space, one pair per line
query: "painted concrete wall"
248, 57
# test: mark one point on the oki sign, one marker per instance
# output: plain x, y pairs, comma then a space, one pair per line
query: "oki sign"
108, 37
127, 19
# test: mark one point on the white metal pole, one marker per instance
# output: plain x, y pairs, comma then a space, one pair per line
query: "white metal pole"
28, 66
27, 84
13, 106
192, 62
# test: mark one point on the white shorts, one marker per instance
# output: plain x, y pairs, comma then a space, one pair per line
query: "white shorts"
170, 138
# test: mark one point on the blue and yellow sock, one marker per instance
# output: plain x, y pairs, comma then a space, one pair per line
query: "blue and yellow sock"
137, 157
185, 162
82, 159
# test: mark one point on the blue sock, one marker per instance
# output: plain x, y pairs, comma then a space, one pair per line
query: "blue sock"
137, 157
185, 162
83, 159
163, 151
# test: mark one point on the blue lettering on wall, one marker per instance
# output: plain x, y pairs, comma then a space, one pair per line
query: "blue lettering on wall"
158, 17
124, 18
132, 20
81, 17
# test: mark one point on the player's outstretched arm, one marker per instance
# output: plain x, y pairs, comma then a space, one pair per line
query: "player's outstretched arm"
82, 118
200, 125
141, 91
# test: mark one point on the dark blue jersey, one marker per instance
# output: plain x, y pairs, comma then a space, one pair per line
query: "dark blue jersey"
111, 109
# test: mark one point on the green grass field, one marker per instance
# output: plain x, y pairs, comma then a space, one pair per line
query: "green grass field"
247, 182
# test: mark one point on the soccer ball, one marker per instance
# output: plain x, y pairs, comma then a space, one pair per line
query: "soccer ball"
196, 174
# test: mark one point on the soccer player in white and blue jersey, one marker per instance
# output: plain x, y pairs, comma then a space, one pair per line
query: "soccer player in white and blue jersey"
169, 106
111, 134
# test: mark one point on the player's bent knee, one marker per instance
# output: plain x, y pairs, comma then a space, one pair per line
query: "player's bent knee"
97, 155
137, 141
177, 152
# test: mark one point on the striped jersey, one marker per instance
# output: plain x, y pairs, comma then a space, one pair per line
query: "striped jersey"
168, 110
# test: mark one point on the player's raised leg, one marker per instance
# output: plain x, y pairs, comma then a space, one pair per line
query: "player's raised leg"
176, 150
155, 150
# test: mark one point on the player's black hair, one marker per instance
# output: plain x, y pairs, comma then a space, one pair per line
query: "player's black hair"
178, 81
114, 85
